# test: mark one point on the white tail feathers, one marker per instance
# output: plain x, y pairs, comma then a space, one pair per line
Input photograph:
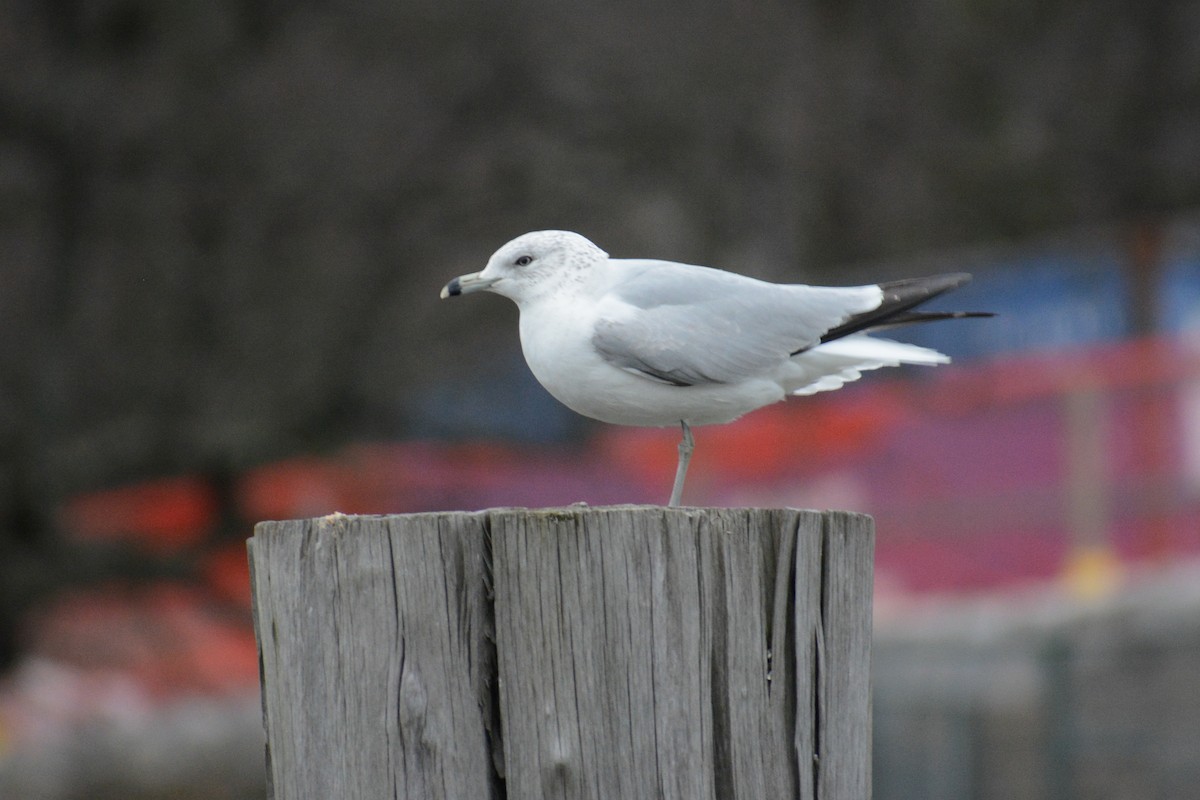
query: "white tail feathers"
888, 352
834, 364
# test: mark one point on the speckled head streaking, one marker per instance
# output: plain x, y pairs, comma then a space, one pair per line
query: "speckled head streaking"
649, 342
533, 266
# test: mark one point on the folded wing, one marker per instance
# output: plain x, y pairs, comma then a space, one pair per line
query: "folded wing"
689, 325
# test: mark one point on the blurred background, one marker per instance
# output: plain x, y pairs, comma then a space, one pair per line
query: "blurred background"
224, 225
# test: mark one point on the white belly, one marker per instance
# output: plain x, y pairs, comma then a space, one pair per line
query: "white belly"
559, 351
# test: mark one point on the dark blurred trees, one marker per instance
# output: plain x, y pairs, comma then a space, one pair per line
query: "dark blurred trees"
224, 223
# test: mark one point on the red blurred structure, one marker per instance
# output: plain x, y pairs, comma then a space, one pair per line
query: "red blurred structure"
981, 476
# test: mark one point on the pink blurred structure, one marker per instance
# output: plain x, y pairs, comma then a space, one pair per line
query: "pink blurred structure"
978, 475
981, 476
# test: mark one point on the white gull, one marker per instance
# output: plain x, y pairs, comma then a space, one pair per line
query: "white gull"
657, 343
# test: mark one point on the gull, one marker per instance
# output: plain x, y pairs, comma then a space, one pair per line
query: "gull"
658, 343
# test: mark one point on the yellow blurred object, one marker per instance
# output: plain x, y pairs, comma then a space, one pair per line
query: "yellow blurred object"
1092, 572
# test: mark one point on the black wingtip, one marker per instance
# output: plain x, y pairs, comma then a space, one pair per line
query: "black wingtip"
910, 292
917, 317
899, 298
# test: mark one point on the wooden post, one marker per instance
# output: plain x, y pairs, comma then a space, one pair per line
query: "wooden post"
621, 652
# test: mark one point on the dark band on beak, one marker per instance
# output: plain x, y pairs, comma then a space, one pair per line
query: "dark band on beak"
466, 284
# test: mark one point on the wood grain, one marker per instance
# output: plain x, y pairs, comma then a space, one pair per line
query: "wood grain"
621, 652
373, 634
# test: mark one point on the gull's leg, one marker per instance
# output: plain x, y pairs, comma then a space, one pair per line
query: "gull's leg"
686, 445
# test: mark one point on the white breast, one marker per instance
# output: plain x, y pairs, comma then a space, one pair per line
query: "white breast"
557, 342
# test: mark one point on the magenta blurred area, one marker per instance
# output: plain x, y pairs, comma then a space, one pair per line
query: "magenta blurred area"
975, 474
981, 476
991, 476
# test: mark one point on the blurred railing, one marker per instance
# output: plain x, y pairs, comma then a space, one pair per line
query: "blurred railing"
1071, 470
981, 475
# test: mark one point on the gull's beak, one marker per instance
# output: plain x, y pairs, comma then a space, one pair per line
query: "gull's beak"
465, 284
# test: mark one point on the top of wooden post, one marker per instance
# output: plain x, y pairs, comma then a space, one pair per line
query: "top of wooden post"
600, 652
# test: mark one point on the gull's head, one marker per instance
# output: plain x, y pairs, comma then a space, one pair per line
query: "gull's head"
531, 266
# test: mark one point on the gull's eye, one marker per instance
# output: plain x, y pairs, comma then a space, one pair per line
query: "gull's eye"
524, 261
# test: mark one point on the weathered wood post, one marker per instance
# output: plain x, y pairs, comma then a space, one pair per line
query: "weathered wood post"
607, 653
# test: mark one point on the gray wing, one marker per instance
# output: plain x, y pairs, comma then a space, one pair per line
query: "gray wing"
690, 325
